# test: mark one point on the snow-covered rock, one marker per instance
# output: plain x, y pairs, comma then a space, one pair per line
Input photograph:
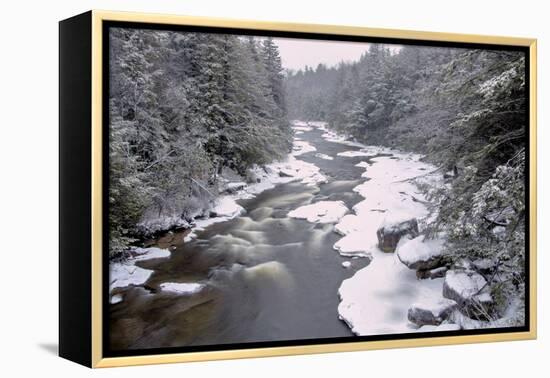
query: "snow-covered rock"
181, 288
346, 264
431, 273
321, 212
390, 234
463, 286
431, 312
233, 187
484, 266
421, 253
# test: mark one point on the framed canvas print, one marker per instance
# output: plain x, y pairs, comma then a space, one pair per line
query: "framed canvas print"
235, 188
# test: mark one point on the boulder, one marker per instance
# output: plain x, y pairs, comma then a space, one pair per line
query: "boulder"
346, 264
468, 288
389, 235
234, 187
434, 313
431, 273
484, 266
462, 286
421, 253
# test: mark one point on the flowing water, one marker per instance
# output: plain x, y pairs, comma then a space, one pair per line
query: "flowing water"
268, 277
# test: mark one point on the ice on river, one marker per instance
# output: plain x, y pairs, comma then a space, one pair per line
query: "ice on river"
324, 156
181, 288
353, 154
321, 212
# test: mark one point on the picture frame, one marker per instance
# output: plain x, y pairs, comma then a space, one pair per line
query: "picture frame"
84, 121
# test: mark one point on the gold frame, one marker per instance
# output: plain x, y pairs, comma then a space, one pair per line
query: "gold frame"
97, 327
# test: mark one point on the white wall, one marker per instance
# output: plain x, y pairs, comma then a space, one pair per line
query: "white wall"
28, 158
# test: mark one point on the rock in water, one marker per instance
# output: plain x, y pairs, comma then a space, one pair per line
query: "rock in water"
389, 235
346, 264
431, 313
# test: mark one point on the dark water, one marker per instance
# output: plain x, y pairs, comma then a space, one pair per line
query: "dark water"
269, 277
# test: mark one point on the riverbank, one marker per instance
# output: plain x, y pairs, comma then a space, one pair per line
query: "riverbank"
298, 255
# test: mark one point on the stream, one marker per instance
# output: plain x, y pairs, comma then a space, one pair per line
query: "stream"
265, 276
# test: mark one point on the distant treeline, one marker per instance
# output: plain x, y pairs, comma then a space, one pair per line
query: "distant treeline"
182, 107
466, 110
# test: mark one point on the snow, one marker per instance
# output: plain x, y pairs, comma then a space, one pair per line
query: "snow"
117, 298
142, 254
295, 169
165, 222
300, 147
318, 124
348, 224
181, 288
301, 126
433, 311
227, 207
331, 136
419, 251
353, 154
439, 328
123, 274
321, 212
126, 274
465, 284
388, 199
235, 185
377, 298
346, 264
324, 156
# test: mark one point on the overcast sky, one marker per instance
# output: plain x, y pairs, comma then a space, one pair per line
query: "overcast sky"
297, 53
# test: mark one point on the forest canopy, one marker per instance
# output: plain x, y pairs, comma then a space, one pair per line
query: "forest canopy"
182, 107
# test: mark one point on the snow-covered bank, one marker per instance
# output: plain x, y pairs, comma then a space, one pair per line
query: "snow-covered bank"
300, 147
376, 300
388, 199
126, 273
225, 207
